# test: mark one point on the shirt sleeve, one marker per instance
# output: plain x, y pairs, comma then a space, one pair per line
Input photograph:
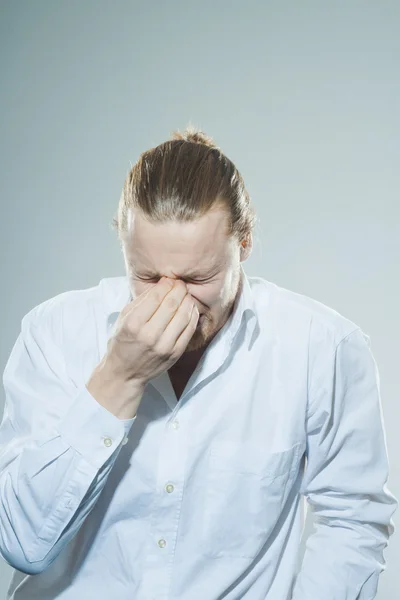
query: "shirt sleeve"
345, 478
57, 447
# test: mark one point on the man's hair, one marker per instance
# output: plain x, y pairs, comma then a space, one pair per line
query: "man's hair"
181, 180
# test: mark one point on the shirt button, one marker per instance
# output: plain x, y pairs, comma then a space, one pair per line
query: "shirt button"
124, 441
162, 543
175, 424
170, 488
107, 441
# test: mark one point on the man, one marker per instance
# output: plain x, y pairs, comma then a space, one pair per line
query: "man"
161, 428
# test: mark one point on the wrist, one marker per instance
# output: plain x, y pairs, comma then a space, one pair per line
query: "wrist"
120, 397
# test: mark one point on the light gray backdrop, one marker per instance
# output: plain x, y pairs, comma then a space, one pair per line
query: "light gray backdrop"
303, 96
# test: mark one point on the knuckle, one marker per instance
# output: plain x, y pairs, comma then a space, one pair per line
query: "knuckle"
146, 337
125, 310
132, 325
162, 351
128, 317
171, 302
188, 311
159, 295
151, 340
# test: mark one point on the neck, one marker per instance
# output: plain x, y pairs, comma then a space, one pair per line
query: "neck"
188, 362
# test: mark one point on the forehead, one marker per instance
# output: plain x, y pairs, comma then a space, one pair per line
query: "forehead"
182, 248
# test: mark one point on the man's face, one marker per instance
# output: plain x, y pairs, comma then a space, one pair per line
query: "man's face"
199, 253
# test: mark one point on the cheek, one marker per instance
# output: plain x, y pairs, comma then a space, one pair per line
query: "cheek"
206, 297
138, 288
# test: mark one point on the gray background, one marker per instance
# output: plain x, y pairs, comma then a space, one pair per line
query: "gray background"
304, 97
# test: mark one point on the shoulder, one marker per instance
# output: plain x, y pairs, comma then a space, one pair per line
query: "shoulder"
301, 316
73, 311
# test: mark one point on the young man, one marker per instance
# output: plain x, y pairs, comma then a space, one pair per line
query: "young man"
161, 428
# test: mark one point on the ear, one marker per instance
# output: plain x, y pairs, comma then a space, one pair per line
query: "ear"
246, 247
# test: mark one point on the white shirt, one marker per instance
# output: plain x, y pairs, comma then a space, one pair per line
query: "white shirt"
198, 499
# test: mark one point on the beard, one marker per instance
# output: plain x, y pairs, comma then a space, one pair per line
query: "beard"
201, 337
207, 330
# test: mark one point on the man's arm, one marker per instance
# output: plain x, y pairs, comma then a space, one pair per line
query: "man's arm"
53, 459
345, 478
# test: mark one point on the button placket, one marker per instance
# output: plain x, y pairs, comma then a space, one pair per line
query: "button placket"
169, 477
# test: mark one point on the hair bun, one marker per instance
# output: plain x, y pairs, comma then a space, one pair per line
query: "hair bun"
193, 134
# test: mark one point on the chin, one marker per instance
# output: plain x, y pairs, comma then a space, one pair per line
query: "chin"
196, 342
200, 338
203, 336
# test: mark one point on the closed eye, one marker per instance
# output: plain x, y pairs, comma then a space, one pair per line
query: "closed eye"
188, 280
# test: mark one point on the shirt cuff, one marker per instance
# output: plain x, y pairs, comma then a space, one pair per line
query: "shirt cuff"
92, 430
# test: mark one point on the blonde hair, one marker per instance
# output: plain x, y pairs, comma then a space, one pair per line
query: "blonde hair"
183, 178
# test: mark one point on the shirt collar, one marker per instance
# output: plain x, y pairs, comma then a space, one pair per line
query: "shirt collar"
244, 308
244, 311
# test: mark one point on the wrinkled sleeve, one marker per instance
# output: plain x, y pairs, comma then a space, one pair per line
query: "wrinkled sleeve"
345, 481
53, 459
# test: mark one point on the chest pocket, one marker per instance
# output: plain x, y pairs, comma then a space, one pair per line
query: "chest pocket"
244, 497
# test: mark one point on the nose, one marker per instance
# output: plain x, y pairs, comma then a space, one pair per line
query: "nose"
175, 280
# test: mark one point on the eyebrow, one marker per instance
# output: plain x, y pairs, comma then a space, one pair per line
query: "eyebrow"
193, 274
